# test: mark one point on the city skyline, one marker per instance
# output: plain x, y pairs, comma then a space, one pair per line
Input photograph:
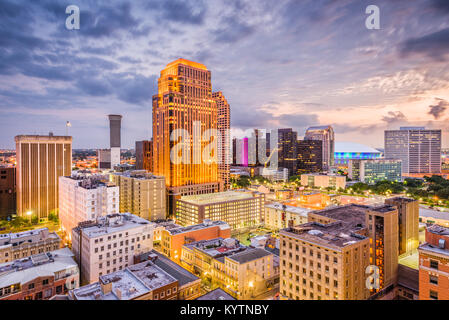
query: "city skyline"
288, 64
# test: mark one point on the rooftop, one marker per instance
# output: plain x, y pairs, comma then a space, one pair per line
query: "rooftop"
91, 181
175, 270
138, 174
351, 213
217, 294
336, 234
351, 147
211, 198
31, 236
315, 128
40, 265
188, 63
110, 224
439, 230
383, 208
130, 283
249, 255
408, 277
402, 199
296, 210
206, 224
217, 247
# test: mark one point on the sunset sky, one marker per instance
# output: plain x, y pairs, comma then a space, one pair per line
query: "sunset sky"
283, 63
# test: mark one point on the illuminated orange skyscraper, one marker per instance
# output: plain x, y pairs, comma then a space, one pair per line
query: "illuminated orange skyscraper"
184, 101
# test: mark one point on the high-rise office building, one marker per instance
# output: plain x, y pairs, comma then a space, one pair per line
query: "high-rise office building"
418, 148
408, 223
144, 155
83, 198
115, 125
184, 101
8, 202
41, 160
325, 134
309, 156
141, 193
287, 155
224, 151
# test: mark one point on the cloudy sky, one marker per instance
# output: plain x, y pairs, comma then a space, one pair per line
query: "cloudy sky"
283, 63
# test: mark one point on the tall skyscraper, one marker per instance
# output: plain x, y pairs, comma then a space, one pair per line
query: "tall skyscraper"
184, 101
41, 160
325, 134
224, 151
115, 123
144, 155
418, 148
309, 156
287, 155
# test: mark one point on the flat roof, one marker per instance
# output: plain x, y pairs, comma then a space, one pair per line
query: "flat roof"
30, 236
175, 270
151, 275
408, 277
138, 175
211, 198
39, 265
352, 147
351, 213
296, 210
112, 223
207, 224
217, 247
250, 255
336, 234
217, 294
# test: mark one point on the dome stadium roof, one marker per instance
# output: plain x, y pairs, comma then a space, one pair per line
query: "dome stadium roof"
353, 147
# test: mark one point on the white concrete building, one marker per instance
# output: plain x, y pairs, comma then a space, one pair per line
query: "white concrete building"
278, 215
83, 198
110, 244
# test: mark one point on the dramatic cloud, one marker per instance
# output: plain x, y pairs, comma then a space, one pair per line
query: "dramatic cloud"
283, 63
394, 117
438, 110
434, 45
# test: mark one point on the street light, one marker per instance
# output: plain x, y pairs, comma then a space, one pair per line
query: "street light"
29, 213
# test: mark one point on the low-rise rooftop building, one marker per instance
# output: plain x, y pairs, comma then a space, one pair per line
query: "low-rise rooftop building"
39, 277
14, 246
142, 281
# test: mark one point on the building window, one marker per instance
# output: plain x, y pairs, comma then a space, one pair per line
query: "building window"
433, 295
434, 264
433, 280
